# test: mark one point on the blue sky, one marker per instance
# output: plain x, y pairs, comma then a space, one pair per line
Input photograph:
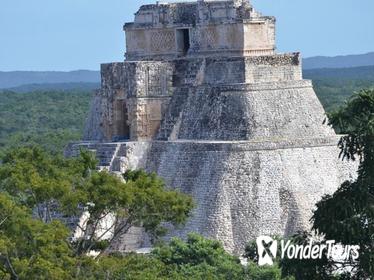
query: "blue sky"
81, 34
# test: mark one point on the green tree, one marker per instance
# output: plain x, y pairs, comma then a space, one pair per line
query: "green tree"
141, 200
130, 266
308, 269
195, 259
37, 178
30, 248
200, 258
38, 190
348, 215
49, 118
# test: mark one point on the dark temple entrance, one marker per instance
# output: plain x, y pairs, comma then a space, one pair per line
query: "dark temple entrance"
121, 127
183, 40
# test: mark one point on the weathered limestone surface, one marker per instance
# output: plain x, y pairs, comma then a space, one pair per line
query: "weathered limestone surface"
242, 189
203, 100
246, 112
243, 193
215, 28
135, 96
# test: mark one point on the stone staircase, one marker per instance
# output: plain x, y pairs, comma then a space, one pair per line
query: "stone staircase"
106, 153
119, 156
186, 72
110, 156
173, 113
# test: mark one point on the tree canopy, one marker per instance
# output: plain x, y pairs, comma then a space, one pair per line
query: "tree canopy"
40, 193
348, 215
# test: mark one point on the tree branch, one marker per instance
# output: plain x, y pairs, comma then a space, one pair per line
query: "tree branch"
4, 220
12, 271
102, 235
127, 225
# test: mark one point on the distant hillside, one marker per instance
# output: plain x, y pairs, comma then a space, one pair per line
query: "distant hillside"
30, 80
21, 78
54, 87
359, 73
339, 61
334, 86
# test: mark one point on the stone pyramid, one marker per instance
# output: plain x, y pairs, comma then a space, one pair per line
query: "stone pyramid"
204, 100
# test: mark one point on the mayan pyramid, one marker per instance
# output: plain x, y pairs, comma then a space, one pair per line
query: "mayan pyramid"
204, 100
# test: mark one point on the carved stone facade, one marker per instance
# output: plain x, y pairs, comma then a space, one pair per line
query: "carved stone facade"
204, 101
199, 29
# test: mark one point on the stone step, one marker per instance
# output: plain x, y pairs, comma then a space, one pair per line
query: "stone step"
107, 154
173, 113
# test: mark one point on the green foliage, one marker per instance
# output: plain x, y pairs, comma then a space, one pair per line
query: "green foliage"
200, 258
29, 246
307, 269
34, 184
266, 272
48, 118
53, 141
348, 215
335, 86
356, 120
334, 92
197, 258
36, 179
132, 266
150, 204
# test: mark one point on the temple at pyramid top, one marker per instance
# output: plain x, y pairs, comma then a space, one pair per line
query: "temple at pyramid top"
203, 28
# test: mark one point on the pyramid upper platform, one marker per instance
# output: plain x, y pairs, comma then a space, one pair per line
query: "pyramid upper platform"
203, 28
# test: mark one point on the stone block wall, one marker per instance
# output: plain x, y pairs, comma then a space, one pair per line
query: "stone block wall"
242, 189
145, 116
251, 70
158, 42
262, 35
214, 28
135, 96
131, 102
138, 78
249, 112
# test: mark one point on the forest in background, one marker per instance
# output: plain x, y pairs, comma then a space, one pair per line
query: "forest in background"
334, 86
53, 115
47, 118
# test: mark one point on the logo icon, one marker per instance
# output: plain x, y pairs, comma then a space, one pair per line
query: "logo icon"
266, 250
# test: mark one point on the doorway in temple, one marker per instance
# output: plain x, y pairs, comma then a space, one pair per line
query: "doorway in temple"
121, 127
